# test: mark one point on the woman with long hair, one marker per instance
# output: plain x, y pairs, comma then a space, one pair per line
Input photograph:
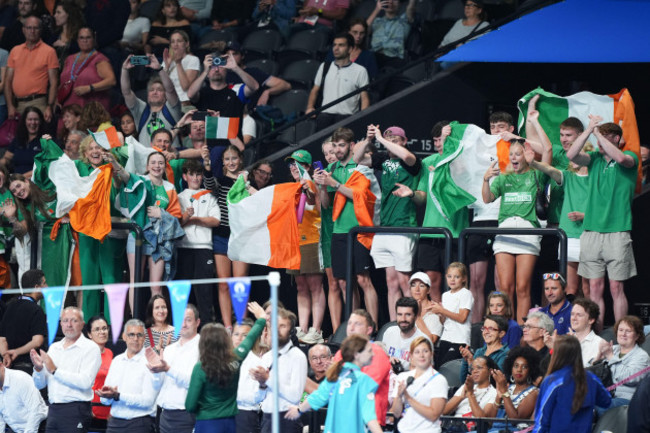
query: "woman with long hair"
569, 393
136, 31
420, 401
516, 255
345, 392
498, 304
98, 331
181, 66
68, 19
168, 19
426, 321
94, 117
212, 393
159, 332
26, 145
70, 117
516, 393
127, 125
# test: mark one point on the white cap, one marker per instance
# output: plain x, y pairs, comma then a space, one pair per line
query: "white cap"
422, 277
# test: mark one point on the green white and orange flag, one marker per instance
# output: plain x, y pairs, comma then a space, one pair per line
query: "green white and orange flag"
263, 226
553, 109
85, 199
221, 127
108, 138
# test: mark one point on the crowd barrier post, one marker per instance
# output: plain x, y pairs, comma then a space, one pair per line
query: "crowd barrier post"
274, 282
558, 232
396, 230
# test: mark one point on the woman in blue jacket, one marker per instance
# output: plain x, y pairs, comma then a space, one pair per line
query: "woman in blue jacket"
569, 393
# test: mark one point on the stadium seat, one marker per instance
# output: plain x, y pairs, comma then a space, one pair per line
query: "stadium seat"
307, 44
608, 334
477, 336
149, 9
266, 65
382, 331
451, 371
364, 9
646, 344
217, 35
417, 73
337, 338
298, 132
293, 101
262, 44
615, 420
301, 73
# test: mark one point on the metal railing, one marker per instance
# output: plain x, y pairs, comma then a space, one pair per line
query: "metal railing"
395, 230
557, 232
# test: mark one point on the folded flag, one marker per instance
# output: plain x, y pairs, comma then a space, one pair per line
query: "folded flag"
221, 127
85, 199
263, 226
107, 138
554, 109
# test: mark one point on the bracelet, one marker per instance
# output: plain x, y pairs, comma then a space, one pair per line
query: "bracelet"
92, 88
337, 186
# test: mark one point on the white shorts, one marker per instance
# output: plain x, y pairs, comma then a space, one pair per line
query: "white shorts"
394, 250
517, 244
572, 250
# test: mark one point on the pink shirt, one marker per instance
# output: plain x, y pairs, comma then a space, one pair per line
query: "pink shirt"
87, 76
326, 5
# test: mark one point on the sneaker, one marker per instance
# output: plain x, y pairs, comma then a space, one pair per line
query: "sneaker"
313, 337
299, 333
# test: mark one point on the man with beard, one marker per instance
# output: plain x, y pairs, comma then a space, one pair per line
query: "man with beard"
68, 369
292, 375
337, 79
558, 308
398, 338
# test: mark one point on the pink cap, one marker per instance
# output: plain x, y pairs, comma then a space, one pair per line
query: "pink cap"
395, 131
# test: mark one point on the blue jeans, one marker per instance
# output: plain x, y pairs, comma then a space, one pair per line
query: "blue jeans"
616, 401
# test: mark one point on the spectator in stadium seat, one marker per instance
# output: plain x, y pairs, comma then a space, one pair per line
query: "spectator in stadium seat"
200, 214
69, 19
168, 20
68, 369
342, 77
13, 35
316, 13
262, 174
498, 304
389, 32
606, 243
292, 376
274, 14
537, 328
196, 10
130, 388
475, 20
359, 54
177, 363
22, 408
427, 322
98, 331
625, 358
89, 71
32, 73
181, 66
269, 85
494, 329
477, 396
320, 359
162, 107
559, 307
136, 31
19, 156
24, 325
584, 315
398, 338
338, 186
399, 166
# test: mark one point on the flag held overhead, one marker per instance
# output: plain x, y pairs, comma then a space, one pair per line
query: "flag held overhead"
107, 139
221, 127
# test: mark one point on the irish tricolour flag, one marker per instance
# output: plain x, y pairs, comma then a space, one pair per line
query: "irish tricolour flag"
263, 226
108, 138
553, 109
221, 127
85, 199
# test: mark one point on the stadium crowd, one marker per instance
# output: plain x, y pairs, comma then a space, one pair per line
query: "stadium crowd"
459, 352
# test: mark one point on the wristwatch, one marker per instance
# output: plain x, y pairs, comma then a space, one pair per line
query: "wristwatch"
505, 395
337, 186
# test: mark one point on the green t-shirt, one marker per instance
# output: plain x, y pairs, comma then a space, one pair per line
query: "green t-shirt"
162, 199
347, 219
576, 189
517, 192
432, 216
611, 190
556, 196
396, 211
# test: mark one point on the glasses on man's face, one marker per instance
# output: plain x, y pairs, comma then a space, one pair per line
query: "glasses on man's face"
134, 335
322, 358
489, 329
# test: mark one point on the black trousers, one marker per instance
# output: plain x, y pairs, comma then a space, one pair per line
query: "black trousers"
69, 417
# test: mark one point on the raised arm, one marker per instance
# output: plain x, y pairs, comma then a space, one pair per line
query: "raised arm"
250, 83
360, 151
399, 151
549, 170
486, 193
170, 90
374, 13
125, 83
575, 152
613, 151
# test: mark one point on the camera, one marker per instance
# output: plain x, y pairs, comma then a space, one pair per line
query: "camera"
218, 60
140, 60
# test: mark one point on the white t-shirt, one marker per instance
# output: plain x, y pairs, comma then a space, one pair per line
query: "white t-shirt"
340, 81
135, 28
190, 63
433, 323
398, 346
249, 127
454, 332
428, 386
196, 236
484, 396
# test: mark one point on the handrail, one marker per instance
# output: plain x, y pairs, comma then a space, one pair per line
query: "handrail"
481, 423
400, 230
558, 232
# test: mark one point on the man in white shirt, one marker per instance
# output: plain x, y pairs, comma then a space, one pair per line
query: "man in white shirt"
21, 406
398, 338
292, 371
130, 388
584, 315
68, 369
177, 363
